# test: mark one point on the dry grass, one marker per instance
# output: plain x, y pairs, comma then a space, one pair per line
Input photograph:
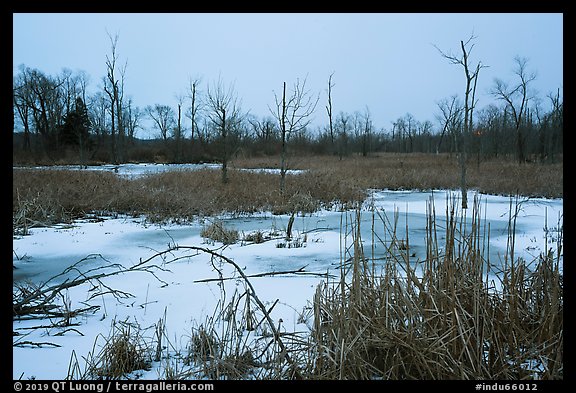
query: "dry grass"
442, 318
217, 232
44, 197
122, 353
428, 171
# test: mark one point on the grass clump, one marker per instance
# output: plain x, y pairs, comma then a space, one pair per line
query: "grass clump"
256, 237
217, 232
123, 353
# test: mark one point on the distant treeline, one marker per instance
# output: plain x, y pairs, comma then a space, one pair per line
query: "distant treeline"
57, 120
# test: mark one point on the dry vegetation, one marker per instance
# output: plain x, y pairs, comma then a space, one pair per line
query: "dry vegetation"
428, 171
43, 197
217, 232
442, 318
454, 315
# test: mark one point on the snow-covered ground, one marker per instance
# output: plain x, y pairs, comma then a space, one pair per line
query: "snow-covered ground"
178, 292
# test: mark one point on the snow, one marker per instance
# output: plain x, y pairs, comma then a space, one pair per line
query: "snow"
178, 293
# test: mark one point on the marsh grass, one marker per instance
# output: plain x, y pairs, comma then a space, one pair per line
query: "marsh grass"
427, 171
122, 353
44, 197
451, 316
218, 232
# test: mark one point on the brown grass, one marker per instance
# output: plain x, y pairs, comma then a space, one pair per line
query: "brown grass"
44, 197
123, 352
428, 171
448, 321
218, 232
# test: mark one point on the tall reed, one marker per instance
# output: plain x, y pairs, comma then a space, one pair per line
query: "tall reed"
454, 315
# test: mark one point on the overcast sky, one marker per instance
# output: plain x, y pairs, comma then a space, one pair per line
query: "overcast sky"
384, 62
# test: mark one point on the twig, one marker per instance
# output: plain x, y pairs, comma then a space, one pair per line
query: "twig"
38, 300
38, 345
69, 330
299, 271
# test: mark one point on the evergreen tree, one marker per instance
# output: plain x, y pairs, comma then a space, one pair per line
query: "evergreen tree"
75, 130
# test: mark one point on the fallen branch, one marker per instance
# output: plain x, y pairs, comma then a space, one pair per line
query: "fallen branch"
33, 344
277, 336
299, 271
69, 330
37, 302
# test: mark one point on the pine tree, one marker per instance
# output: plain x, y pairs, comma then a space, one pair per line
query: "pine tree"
75, 130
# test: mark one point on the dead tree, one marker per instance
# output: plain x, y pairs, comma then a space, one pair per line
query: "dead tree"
449, 118
367, 133
516, 99
178, 129
469, 104
163, 118
194, 107
293, 114
329, 111
114, 88
225, 115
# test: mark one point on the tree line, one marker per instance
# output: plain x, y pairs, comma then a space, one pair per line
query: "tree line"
57, 119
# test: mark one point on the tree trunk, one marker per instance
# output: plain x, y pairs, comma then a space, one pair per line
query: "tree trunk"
283, 151
463, 188
224, 148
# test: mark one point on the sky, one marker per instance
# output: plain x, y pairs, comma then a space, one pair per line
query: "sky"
384, 63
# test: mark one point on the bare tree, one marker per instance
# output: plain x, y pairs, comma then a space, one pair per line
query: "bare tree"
516, 98
411, 128
343, 128
362, 126
449, 119
132, 116
469, 104
163, 118
264, 129
98, 108
195, 106
40, 96
490, 120
293, 114
556, 120
178, 131
225, 115
425, 135
329, 111
265, 134
21, 93
114, 88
